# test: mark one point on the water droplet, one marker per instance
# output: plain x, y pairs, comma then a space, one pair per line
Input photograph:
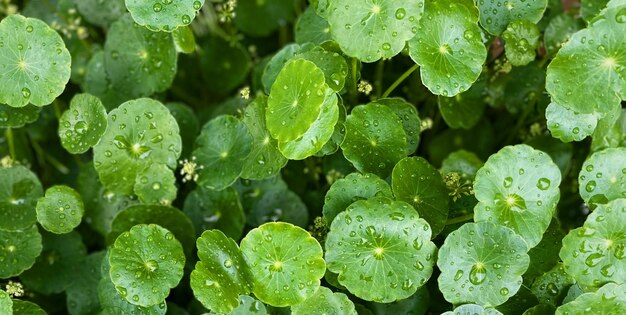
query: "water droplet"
186, 19
504, 291
26, 92
552, 289
477, 274
228, 263
157, 7
508, 182
197, 5
593, 259
591, 185
29, 29
620, 16
386, 46
543, 183
400, 13
458, 275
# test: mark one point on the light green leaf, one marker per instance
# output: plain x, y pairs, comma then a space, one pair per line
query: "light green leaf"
463, 162
184, 40
495, 15
472, 309
27, 308
339, 133
222, 157
221, 275
482, 263
324, 301
331, 63
448, 47
353, 187
559, 31
261, 18
101, 13
418, 183
141, 132
146, 262
166, 15
603, 176
375, 139
296, 99
156, 185
610, 299
381, 249
60, 210
594, 253
522, 38
610, 132
410, 120
311, 28
589, 9
83, 124
371, 30
551, 287
594, 53
265, 160
518, 187
568, 125
35, 63
6, 305
211, 209
19, 190
278, 62
276, 253
17, 117
18, 250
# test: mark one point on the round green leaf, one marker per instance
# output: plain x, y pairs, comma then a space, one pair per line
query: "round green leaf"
221, 275
496, 15
463, 162
324, 301
610, 299
169, 218
594, 253
296, 100
6, 305
589, 9
278, 62
261, 18
522, 38
19, 191
27, 308
249, 306
518, 187
552, 286
101, 13
156, 185
264, 160
568, 125
545, 255
371, 30
381, 249
216, 209
188, 124
331, 63
559, 31
139, 62
482, 263
60, 210
353, 187
222, 157
603, 176
82, 294
418, 183
166, 15
55, 268
375, 139
320, 132
278, 205
409, 117
35, 63
140, 133
17, 117
472, 309
311, 28
339, 133
594, 53
83, 124
184, 39
146, 262
225, 65
18, 250
285, 261
465, 109
448, 47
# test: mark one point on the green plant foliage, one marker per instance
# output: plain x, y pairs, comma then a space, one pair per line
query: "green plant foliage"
19, 190
451, 52
60, 210
156, 185
391, 244
465, 109
6, 305
27, 308
275, 262
559, 31
101, 13
594, 253
324, 301
518, 188
155, 264
249, 306
490, 270
602, 177
551, 287
19, 250
522, 38
83, 124
216, 209
568, 125
16, 117
311, 28
164, 15
36, 64
184, 40
470, 309
495, 16
410, 120
610, 299
82, 294
225, 65
260, 18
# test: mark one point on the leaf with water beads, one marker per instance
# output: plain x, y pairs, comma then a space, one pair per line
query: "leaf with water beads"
602, 177
221, 275
101, 12
381, 249
482, 263
285, 261
60, 210
216, 209
495, 15
221, 149
19, 190
472, 309
370, 30
156, 185
324, 301
278, 205
409, 117
18, 250
27, 308
448, 47
224, 65
6, 305
35, 63
465, 109
184, 40
331, 63
594, 253
146, 262
551, 287
82, 294
83, 124
375, 139
165, 15
17, 117
278, 61
249, 306
559, 31
568, 125
609, 299
140, 133
311, 28
518, 187
522, 38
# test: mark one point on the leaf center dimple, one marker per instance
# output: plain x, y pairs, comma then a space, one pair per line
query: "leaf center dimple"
609, 62
376, 9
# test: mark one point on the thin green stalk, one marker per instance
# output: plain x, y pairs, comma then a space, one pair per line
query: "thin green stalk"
378, 84
401, 79
10, 141
460, 219
353, 91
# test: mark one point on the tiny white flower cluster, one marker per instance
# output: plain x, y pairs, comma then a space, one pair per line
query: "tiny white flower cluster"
190, 169
14, 289
6, 162
365, 87
73, 25
245, 93
7, 8
226, 11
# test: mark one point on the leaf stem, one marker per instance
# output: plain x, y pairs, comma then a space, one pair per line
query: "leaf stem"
460, 219
354, 92
9, 135
378, 84
400, 79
